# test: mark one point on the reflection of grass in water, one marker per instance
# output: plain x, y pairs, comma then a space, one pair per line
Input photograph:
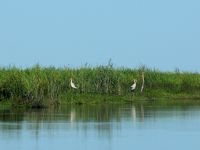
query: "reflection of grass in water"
96, 112
38, 86
102, 117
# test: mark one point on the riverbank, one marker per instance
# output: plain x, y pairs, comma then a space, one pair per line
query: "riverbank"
97, 99
43, 86
71, 98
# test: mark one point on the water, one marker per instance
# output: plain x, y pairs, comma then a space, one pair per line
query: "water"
102, 127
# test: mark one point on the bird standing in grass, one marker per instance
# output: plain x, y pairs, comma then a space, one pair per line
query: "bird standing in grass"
72, 84
133, 87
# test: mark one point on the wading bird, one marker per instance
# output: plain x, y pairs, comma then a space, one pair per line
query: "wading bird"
133, 87
72, 84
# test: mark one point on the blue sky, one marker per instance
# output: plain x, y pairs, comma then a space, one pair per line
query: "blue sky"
163, 34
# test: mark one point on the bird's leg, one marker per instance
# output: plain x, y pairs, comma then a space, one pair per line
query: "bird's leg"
132, 95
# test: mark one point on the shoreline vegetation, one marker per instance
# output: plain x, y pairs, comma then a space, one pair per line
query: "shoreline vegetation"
43, 86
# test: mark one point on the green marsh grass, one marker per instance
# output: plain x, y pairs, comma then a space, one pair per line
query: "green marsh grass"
37, 86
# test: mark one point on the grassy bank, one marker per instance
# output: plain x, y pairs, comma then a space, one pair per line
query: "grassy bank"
38, 85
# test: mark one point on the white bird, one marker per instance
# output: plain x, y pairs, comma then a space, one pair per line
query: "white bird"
72, 84
133, 87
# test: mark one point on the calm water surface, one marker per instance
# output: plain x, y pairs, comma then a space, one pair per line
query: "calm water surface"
102, 127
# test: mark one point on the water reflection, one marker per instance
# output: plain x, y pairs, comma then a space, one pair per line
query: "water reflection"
102, 122
104, 114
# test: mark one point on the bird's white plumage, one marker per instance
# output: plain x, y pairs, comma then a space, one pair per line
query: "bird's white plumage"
133, 87
72, 84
